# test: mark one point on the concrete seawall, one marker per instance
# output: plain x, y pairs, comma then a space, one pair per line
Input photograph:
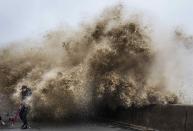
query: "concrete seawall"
161, 117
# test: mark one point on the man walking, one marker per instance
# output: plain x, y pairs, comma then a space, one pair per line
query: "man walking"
24, 108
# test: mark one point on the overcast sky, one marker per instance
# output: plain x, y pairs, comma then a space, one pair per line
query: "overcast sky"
21, 19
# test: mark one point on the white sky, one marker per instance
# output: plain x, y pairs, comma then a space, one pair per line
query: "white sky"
20, 19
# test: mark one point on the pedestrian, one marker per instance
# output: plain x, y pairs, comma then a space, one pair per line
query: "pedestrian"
24, 108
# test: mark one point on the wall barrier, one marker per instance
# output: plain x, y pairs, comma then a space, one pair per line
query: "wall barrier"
160, 117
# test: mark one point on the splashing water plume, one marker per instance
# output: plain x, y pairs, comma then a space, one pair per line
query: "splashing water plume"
106, 63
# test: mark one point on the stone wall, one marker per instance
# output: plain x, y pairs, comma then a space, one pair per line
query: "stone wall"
161, 117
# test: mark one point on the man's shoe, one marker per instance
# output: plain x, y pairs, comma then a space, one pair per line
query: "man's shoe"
24, 127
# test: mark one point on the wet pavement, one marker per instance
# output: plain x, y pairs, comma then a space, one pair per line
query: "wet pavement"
59, 127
